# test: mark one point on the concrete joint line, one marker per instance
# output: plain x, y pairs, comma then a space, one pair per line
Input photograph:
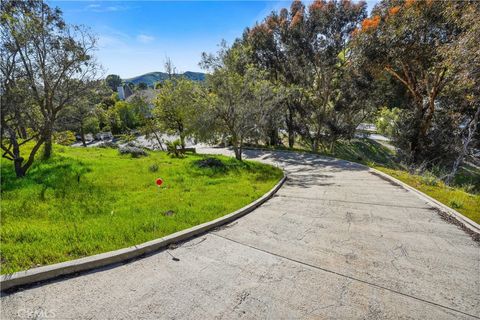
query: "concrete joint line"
344, 276
447, 213
31, 276
357, 202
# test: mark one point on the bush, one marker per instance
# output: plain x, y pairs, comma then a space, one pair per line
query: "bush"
129, 138
64, 138
132, 143
153, 168
174, 149
468, 187
429, 179
108, 144
387, 120
210, 163
456, 204
135, 152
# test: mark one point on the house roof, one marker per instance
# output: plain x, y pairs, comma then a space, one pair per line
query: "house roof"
148, 95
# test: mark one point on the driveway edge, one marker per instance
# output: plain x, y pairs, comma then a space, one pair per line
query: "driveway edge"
449, 214
27, 277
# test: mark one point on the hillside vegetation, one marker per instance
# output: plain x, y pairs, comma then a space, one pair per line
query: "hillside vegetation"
152, 77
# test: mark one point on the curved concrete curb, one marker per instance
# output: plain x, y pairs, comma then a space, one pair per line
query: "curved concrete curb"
31, 276
447, 213
453, 216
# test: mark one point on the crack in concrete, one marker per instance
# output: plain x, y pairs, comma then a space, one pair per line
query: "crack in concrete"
347, 276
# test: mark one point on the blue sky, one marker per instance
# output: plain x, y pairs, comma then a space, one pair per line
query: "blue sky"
135, 37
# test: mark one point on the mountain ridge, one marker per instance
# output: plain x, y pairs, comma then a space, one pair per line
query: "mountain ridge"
151, 78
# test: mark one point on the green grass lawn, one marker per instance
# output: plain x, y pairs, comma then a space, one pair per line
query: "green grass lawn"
88, 201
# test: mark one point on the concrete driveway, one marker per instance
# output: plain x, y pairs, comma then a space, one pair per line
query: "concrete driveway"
336, 242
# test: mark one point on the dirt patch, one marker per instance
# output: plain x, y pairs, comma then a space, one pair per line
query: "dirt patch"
451, 219
386, 179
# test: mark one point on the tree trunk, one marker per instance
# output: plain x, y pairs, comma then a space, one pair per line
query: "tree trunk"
273, 137
19, 170
182, 136
20, 167
425, 118
290, 129
291, 138
23, 132
237, 148
417, 138
472, 128
314, 145
158, 140
82, 135
238, 152
47, 136
182, 141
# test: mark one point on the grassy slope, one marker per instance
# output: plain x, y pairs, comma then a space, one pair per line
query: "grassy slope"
466, 203
376, 155
88, 201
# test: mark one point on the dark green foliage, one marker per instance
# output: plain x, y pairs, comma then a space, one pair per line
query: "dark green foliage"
135, 152
56, 68
210, 163
174, 149
113, 81
423, 45
64, 138
153, 168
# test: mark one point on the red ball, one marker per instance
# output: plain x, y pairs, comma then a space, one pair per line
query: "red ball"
159, 182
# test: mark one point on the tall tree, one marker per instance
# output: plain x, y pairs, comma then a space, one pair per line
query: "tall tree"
82, 116
175, 106
307, 50
273, 50
54, 59
405, 39
463, 58
113, 81
240, 98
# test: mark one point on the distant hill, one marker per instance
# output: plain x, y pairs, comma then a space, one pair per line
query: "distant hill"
152, 77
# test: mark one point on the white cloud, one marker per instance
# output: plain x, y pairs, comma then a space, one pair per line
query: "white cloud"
143, 38
95, 7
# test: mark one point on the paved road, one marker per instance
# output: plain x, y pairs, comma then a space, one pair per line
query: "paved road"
336, 242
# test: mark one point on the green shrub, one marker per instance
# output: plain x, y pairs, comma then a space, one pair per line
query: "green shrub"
129, 137
108, 144
153, 168
135, 152
468, 187
429, 179
174, 149
64, 138
386, 121
456, 204
210, 163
